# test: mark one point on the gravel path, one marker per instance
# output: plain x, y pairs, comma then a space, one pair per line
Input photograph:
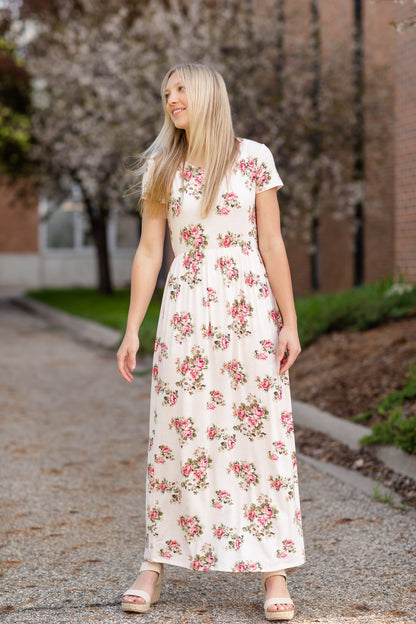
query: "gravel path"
73, 439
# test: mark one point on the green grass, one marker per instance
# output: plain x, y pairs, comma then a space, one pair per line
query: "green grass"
386, 497
109, 310
358, 309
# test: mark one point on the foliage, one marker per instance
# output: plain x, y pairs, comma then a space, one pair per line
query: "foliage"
15, 103
97, 67
395, 429
358, 309
396, 399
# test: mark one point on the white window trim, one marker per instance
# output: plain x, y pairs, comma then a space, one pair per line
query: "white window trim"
78, 248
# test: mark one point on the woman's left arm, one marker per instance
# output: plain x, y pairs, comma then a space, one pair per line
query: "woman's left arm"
273, 252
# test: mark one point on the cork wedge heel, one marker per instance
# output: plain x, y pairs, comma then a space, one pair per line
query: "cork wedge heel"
143, 607
277, 615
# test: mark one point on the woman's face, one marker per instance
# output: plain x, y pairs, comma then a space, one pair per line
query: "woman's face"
177, 102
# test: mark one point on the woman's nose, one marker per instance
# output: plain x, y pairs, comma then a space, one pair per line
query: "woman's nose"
172, 98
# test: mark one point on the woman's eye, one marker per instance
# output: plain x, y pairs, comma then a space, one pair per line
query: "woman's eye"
181, 88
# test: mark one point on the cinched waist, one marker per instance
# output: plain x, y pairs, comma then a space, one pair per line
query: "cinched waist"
236, 251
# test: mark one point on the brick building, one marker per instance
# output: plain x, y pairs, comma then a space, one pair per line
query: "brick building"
57, 251
388, 217
35, 252
405, 147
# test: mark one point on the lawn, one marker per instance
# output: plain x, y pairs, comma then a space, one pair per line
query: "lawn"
108, 310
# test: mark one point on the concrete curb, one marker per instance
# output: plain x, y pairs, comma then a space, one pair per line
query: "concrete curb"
364, 484
81, 329
350, 433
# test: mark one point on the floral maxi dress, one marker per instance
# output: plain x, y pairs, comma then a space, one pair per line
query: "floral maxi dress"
222, 489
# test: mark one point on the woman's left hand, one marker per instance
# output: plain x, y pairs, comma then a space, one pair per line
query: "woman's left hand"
289, 348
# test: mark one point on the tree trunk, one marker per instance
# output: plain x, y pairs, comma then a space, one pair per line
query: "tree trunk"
105, 285
98, 223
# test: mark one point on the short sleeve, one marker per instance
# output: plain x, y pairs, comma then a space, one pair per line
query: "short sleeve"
147, 176
267, 176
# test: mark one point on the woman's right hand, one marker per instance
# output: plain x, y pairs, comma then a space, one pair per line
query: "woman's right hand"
126, 356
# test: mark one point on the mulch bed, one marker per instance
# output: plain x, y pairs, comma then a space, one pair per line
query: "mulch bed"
346, 373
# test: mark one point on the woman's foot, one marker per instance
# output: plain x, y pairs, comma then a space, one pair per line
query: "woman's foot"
276, 586
146, 581
145, 589
278, 604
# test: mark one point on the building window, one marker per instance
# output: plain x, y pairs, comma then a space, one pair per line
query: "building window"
65, 226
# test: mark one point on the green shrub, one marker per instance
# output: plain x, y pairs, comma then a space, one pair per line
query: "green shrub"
395, 430
357, 309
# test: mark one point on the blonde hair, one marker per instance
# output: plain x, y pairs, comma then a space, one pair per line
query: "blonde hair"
211, 139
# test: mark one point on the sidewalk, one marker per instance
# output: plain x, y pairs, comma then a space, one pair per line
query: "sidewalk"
73, 439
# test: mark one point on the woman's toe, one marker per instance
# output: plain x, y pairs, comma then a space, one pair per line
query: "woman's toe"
130, 598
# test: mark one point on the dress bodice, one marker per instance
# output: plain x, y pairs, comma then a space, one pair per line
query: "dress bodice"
232, 221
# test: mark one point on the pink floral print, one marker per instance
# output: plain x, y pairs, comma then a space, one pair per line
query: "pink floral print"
282, 483
193, 181
240, 311
194, 471
182, 325
222, 488
191, 370
233, 540
245, 473
288, 546
260, 517
216, 399
222, 498
279, 448
250, 417
205, 559
228, 269
195, 239
172, 547
175, 206
234, 369
246, 566
185, 429
227, 441
191, 527
211, 297
229, 203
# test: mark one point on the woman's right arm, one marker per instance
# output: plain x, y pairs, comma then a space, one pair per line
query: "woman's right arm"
145, 270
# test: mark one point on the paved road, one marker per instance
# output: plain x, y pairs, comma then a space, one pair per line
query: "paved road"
73, 440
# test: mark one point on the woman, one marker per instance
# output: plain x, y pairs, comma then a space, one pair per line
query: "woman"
222, 488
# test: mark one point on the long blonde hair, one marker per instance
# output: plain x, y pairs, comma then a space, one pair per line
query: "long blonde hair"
211, 139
